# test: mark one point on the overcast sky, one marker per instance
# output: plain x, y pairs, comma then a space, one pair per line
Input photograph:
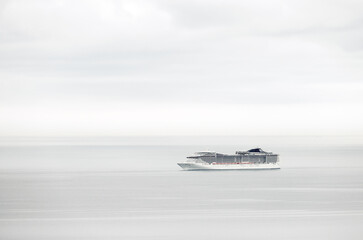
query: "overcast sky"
80, 68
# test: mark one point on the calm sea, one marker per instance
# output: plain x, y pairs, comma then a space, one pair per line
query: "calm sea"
133, 189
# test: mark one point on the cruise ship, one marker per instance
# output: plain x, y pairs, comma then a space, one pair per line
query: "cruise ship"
252, 159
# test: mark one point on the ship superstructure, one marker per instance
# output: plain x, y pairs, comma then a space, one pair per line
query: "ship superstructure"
254, 158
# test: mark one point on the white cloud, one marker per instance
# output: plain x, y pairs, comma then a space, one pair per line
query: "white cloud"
97, 67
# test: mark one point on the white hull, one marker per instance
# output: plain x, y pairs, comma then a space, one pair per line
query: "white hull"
206, 166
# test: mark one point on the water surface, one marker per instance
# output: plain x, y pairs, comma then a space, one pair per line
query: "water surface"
138, 192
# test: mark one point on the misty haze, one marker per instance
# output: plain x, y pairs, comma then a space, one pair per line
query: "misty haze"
99, 101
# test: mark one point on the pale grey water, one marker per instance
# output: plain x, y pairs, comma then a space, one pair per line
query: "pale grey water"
138, 192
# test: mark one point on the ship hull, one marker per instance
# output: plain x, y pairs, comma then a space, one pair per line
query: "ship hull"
205, 166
